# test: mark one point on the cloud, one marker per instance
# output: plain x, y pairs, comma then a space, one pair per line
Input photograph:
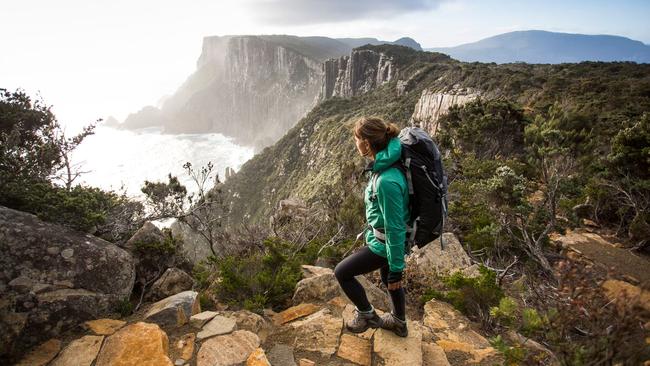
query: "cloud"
300, 12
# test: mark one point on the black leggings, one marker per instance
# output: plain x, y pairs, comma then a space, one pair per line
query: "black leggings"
361, 262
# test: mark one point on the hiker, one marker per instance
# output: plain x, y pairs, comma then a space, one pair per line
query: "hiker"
387, 213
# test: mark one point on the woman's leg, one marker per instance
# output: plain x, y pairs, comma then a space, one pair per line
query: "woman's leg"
363, 261
398, 297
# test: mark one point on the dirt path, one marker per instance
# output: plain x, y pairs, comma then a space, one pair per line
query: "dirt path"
603, 253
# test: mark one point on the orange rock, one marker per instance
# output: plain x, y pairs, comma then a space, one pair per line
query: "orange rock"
104, 326
42, 354
338, 302
355, 349
142, 344
294, 313
616, 289
258, 358
186, 346
306, 362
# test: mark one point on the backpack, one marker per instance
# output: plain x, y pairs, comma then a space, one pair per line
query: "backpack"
421, 163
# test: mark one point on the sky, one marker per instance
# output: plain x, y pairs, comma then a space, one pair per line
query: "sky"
92, 59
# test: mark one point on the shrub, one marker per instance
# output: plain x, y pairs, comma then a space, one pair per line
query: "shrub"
473, 296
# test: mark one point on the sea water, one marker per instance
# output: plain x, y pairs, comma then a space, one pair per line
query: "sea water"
121, 160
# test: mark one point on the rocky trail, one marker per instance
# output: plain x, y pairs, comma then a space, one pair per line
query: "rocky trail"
607, 254
174, 331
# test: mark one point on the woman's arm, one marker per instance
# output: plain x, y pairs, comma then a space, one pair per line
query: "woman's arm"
390, 197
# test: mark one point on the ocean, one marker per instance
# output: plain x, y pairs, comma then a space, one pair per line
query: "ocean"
114, 158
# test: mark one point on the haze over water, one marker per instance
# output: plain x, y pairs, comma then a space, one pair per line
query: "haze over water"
122, 157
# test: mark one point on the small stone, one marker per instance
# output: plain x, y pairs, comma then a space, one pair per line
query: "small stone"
42, 354
53, 250
199, 320
80, 352
104, 326
186, 346
63, 284
41, 287
306, 362
281, 355
21, 284
179, 362
294, 312
67, 253
258, 358
217, 326
355, 349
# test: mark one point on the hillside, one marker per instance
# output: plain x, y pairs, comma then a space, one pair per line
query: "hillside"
535, 46
422, 87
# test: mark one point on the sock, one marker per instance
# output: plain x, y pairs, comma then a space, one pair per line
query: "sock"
372, 309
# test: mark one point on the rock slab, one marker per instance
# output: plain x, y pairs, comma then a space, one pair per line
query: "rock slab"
80, 352
104, 326
355, 349
217, 326
226, 350
136, 344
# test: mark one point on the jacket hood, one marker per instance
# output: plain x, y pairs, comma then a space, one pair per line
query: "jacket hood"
388, 156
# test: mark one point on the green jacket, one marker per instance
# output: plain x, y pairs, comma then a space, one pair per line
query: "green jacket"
389, 211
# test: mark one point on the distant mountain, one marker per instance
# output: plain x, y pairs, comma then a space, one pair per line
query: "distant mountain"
541, 47
358, 42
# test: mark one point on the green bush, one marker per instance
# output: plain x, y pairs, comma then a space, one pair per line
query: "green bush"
259, 279
473, 296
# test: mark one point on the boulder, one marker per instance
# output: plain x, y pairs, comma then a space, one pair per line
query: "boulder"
171, 282
397, 351
617, 290
56, 277
175, 310
324, 287
430, 261
318, 332
80, 352
147, 234
227, 350
433, 355
136, 344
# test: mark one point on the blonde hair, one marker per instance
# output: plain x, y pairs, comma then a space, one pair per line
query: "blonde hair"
376, 131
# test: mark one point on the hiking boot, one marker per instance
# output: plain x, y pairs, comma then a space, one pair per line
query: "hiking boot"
362, 321
393, 323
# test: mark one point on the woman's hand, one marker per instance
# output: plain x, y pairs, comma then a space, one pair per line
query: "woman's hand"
394, 280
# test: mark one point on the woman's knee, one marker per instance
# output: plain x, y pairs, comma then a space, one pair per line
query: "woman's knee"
340, 272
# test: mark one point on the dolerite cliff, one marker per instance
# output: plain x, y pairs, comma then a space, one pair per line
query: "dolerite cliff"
252, 88
357, 73
407, 87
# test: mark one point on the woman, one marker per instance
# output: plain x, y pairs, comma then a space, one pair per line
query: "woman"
386, 200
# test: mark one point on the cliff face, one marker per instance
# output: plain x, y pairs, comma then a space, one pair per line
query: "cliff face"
252, 88
358, 73
434, 104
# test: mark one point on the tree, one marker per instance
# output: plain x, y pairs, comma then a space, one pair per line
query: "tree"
206, 212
